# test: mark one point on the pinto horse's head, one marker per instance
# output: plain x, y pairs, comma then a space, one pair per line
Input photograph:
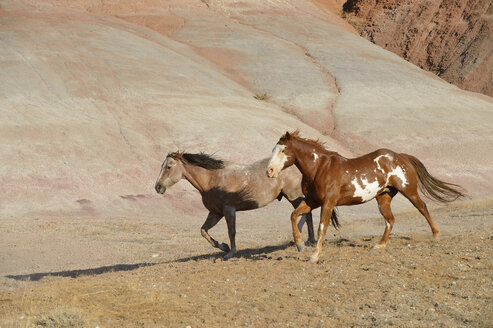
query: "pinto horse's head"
282, 155
171, 172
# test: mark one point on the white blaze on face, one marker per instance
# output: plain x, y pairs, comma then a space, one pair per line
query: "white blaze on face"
277, 160
163, 166
366, 191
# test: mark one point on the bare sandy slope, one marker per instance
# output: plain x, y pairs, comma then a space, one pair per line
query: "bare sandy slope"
163, 273
93, 95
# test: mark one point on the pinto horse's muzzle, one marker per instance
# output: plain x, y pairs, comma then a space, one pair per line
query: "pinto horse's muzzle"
160, 189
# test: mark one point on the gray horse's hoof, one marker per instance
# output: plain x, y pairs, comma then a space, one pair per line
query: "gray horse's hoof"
310, 242
300, 247
224, 247
228, 256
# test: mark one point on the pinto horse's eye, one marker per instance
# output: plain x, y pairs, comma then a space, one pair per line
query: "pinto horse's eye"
283, 151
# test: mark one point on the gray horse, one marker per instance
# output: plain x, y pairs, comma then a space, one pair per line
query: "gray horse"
227, 187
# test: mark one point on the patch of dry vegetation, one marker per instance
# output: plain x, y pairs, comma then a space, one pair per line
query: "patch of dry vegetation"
261, 96
356, 22
415, 281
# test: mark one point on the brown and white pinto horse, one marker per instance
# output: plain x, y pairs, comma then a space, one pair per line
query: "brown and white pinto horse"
330, 180
227, 188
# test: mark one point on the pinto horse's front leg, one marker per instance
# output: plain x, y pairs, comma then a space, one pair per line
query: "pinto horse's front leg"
325, 216
302, 208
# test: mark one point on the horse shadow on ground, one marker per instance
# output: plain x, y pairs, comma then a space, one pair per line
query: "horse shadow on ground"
254, 254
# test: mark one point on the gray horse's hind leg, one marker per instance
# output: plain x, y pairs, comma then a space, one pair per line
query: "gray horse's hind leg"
211, 221
309, 223
230, 214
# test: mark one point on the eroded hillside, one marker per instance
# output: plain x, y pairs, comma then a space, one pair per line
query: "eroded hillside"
452, 38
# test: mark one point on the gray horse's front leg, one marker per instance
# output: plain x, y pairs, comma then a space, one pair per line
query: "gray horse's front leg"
230, 214
211, 221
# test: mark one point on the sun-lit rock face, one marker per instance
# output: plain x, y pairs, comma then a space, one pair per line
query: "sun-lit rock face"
93, 96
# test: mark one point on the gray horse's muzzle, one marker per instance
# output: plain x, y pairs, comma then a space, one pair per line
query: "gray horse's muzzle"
160, 189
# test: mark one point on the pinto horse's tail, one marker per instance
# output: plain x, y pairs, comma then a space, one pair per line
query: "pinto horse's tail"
432, 187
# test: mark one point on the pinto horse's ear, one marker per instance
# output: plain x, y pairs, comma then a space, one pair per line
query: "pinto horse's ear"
286, 136
289, 136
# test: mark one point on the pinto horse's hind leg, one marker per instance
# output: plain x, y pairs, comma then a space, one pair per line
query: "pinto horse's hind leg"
384, 207
421, 206
411, 192
211, 221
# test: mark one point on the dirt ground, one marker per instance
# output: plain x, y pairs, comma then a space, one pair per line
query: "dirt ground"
155, 273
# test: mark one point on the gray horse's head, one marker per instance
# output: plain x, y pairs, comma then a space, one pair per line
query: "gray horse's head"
171, 172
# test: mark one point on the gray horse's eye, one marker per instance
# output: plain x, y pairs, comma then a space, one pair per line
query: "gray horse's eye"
168, 167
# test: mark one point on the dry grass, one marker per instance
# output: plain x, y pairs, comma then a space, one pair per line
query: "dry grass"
62, 319
356, 22
446, 283
261, 96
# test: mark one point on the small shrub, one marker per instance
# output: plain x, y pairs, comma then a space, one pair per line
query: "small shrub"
62, 319
261, 96
358, 23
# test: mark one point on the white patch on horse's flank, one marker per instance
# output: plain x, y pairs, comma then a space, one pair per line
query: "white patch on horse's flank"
398, 172
315, 157
347, 171
377, 160
369, 190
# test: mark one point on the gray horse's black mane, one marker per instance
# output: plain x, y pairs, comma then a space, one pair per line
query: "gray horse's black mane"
203, 160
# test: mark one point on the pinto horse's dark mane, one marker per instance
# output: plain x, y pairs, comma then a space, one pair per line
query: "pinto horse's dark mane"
203, 160
296, 135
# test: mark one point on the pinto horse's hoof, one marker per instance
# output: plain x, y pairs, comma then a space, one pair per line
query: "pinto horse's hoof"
313, 259
300, 247
224, 247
